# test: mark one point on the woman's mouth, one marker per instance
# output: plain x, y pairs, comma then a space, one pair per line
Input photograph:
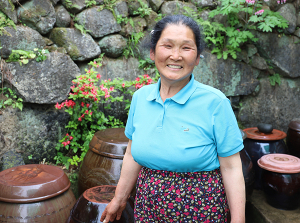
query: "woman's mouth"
174, 66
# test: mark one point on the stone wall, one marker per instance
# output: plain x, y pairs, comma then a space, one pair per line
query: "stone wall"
49, 24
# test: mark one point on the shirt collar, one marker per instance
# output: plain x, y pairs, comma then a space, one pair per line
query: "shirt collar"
181, 97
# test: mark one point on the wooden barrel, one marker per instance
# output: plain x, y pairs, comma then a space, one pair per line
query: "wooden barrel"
35, 193
103, 162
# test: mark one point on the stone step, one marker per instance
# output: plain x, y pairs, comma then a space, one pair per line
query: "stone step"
259, 211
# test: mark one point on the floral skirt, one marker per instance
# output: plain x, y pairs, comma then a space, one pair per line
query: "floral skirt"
164, 196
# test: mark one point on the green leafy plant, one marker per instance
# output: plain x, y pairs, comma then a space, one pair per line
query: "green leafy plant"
132, 43
41, 54
23, 56
242, 16
11, 99
90, 3
69, 4
275, 79
4, 22
237, 33
143, 10
81, 28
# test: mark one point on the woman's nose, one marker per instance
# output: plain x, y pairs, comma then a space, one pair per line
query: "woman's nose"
176, 55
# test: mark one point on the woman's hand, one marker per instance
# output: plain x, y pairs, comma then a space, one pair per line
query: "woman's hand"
113, 210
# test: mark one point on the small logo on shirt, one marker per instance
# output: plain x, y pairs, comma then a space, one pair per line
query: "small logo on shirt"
186, 129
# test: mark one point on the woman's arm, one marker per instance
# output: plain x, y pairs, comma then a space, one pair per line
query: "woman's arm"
129, 175
233, 179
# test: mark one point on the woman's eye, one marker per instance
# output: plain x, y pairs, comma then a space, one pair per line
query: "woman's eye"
168, 46
186, 48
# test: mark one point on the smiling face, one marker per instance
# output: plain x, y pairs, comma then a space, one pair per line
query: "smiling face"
175, 54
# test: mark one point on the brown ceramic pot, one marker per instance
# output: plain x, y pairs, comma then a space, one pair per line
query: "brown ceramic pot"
35, 193
258, 144
293, 137
103, 162
281, 180
91, 204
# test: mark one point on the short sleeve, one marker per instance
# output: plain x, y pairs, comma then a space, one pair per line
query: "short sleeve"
228, 137
129, 129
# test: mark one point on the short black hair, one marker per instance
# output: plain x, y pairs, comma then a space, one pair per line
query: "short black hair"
177, 20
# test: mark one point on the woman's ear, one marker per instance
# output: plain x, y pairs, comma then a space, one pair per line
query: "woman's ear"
152, 54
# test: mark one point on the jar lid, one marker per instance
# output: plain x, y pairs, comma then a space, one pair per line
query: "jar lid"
100, 194
110, 142
280, 163
31, 183
295, 124
253, 133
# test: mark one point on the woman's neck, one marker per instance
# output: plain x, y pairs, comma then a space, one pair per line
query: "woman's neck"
169, 89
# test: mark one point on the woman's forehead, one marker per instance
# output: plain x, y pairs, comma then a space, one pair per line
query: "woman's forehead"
177, 31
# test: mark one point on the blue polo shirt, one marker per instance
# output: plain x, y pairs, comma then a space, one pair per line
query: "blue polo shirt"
186, 133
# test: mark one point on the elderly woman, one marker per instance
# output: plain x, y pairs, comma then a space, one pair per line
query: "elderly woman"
184, 141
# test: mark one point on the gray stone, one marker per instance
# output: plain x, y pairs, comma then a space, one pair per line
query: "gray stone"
117, 68
288, 12
233, 78
298, 19
44, 82
276, 105
282, 53
121, 8
297, 33
204, 14
242, 56
259, 63
63, 17
74, 6
274, 6
134, 5
150, 19
39, 15
139, 25
98, 23
54, 2
11, 159
23, 38
8, 10
155, 4
113, 45
79, 46
251, 50
35, 131
176, 7
204, 3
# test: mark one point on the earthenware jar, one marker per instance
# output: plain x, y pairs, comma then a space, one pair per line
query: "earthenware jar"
35, 193
91, 204
259, 143
281, 180
248, 170
103, 162
293, 138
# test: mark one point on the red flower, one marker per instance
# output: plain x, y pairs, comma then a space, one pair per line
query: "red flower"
91, 113
86, 111
87, 105
79, 119
123, 85
67, 134
68, 142
82, 104
98, 76
71, 137
137, 79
